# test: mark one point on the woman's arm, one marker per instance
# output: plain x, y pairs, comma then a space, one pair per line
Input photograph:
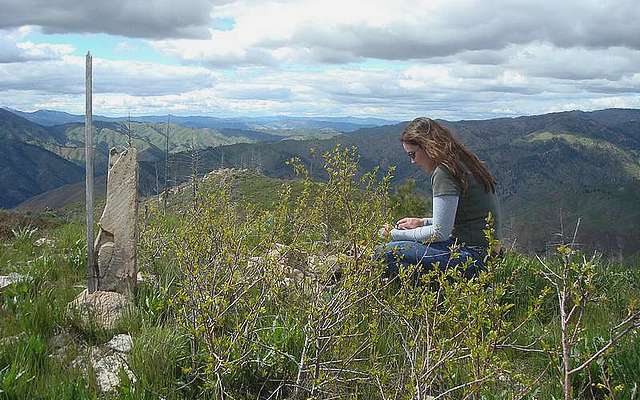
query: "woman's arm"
444, 217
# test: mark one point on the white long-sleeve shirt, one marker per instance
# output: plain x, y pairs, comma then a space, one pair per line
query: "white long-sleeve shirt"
438, 228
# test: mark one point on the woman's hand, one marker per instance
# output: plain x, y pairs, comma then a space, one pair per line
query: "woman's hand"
409, 223
385, 231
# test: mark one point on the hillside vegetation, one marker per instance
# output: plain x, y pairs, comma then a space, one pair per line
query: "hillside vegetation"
27, 170
225, 312
60, 135
550, 168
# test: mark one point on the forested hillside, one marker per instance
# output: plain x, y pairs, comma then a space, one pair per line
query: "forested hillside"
62, 135
27, 170
254, 288
552, 169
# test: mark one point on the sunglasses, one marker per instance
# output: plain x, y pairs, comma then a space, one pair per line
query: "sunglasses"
412, 155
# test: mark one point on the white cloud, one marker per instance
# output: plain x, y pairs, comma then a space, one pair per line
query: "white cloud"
449, 59
44, 51
13, 50
444, 91
66, 76
312, 31
576, 63
126, 48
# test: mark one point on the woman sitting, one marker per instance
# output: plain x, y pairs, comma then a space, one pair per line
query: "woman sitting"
463, 196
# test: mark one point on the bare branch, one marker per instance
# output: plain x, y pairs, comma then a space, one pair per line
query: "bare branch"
612, 341
461, 386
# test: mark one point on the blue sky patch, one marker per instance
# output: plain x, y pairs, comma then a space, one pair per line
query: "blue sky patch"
105, 46
223, 24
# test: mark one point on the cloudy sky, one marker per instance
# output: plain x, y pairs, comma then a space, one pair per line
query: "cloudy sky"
397, 59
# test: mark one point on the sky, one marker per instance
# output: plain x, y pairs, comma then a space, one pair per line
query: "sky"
394, 59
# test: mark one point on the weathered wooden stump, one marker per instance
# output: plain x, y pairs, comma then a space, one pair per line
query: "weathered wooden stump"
117, 236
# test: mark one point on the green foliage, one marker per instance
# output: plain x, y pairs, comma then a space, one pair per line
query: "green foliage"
258, 331
27, 372
31, 312
275, 320
272, 290
406, 202
157, 360
230, 303
36, 304
584, 352
23, 234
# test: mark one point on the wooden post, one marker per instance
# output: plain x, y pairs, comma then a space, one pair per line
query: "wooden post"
166, 167
92, 276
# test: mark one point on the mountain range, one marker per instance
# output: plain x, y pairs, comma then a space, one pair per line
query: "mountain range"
552, 169
269, 123
58, 138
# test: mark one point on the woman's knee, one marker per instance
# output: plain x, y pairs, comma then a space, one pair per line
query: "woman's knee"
399, 254
394, 254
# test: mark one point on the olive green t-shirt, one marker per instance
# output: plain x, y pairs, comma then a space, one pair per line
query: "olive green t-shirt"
473, 207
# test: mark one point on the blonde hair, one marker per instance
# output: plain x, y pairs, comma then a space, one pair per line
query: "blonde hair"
445, 150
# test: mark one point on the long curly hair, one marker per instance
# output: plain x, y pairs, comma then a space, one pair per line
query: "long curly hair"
445, 150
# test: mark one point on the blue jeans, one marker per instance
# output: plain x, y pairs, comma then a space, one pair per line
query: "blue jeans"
426, 256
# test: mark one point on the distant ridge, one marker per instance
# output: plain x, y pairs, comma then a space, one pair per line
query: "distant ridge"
550, 168
63, 196
62, 135
27, 170
345, 124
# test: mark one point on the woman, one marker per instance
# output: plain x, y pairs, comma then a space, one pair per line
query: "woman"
463, 196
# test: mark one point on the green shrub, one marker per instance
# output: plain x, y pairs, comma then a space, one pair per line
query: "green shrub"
157, 359
227, 312
259, 332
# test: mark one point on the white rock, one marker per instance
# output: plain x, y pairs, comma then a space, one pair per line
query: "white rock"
121, 343
106, 370
106, 365
44, 242
104, 308
145, 277
6, 280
